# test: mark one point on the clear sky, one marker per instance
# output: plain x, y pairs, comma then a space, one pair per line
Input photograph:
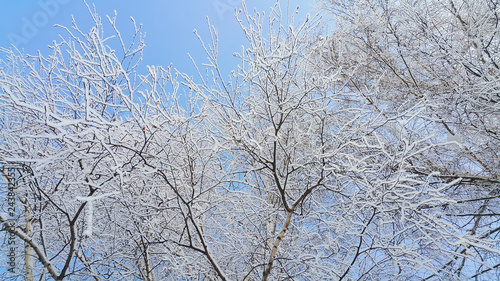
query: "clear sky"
168, 24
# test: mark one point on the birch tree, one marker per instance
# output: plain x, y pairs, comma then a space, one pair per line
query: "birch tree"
326, 154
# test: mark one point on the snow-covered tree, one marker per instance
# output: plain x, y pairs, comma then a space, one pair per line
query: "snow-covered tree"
442, 55
367, 150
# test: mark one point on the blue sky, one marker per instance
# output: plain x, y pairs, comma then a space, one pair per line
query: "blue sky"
169, 25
